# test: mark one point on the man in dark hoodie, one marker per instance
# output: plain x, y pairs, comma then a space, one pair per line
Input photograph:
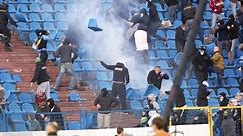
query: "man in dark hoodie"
172, 7
201, 63
155, 77
56, 115
233, 33
120, 79
202, 94
240, 18
67, 56
221, 33
180, 36
105, 102
42, 78
188, 11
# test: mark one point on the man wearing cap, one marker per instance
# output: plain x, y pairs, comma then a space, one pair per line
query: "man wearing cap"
202, 94
67, 56
120, 79
42, 78
105, 102
201, 63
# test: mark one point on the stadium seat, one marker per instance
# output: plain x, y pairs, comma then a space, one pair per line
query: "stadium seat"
151, 89
189, 102
229, 73
159, 45
47, 8
6, 77
161, 17
16, 78
178, 58
32, 37
23, 8
220, 90
87, 66
9, 87
172, 53
74, 125
187, 94
59, 8
60, 17
170, 34
35, 8
162, 54
49, 26
14, 107
11, 8
75, 97
194, 93
34, 26
49, 47
171, 44
193, 83
26, 98
213, 102
184, 84
102, 76
13, 98
233, 91
160, 33
20, 126
47, 17
134, 96
27, 107
177, 23
76, 67
136, 105
23, 1
232, 82
16, 117
62, 26
143, 5
151, 55
105, 84
55, 97
34, 17
163, 64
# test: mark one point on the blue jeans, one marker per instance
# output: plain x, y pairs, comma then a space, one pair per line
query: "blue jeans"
172, 13
66, 67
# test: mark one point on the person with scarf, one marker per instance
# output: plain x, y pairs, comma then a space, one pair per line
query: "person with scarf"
56, 114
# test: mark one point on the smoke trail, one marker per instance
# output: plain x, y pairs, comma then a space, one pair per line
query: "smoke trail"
110, 44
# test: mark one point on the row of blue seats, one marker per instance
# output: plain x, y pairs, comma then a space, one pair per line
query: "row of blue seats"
62, 26
45, 17
19, 108
41, 1
8, 78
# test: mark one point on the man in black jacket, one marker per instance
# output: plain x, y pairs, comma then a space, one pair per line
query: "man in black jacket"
105, 102
202, 94
42, 78
4, 19
155, 77
180, 36
120, 79
221, 33
56, 115
67, 56
201, 63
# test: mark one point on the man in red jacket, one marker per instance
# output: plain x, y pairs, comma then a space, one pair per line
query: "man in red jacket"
216, 7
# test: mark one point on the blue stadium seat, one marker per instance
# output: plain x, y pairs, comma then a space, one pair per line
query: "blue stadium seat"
11, 8
220, 90
26, 98
62, 26
34, 26
172, 53
34, 17
27, 107
14, 107
162, 54
189, 102
151, 89
60, 17
87, 66
60, 35
170, 34
20, 126
55, 97
105, 84
143, 5
161, 17
158, 7
163, 64
233, 91
49, 47
136, 105
171, 44
184, 84
177, 23
16, 117
193, 83
74, 125
23, 26
36, 1
194, 93
9, 87
229, 73
32, 37
49, 26
207, 15
160, 33
232, 82
35, 8
187, 94
6, 77
159, 45
17, 78
59, 8
213, 102
76, 67
23, 8
134, 96
47, 17
178, 58
13, 98
75, 97
47, 8
102, 76
151, 55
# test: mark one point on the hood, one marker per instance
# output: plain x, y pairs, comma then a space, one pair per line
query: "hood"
231, 18
104, 92
189, 3
143, 11
52, 103
120, 65
66, 41
40, 32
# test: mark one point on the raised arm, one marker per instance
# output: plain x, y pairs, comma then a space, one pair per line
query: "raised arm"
110, 67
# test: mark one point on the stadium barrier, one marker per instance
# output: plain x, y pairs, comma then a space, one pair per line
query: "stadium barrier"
182, 120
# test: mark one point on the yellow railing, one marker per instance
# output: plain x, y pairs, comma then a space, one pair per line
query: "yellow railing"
210, 113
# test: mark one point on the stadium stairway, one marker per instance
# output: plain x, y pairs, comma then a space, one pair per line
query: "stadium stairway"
21, 62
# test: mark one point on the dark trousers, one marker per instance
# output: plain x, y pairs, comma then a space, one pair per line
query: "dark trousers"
4, 30
43, 56
219, 73
119, 89
201, 76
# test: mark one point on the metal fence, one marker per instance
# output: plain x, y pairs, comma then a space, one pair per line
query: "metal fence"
221, 120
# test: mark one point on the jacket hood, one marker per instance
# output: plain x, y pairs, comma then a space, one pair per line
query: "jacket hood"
52, 103
104, 92
120, 65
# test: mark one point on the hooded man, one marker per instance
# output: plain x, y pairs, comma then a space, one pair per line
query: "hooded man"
120, 79
228, 124
221, 33
42, 78
188, 12
233, 33
105, 102
5, 18
41, 43
224, 100
67, 56
156, 76
56, 115
202, 94
201, 63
